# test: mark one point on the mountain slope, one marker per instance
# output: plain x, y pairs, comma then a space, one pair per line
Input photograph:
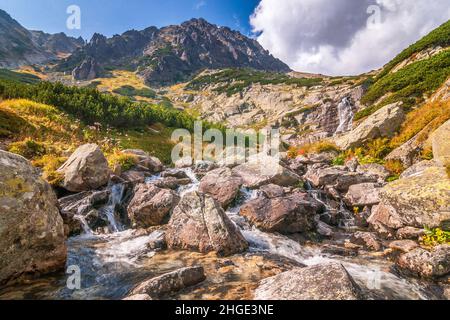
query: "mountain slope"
19, 46
174, 53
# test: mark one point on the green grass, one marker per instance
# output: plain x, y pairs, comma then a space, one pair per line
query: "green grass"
130, 91
232, 81
409, 84
17, 76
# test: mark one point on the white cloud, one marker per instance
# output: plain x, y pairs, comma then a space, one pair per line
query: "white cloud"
339, 37
200, 4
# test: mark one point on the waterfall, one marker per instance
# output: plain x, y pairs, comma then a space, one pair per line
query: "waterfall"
346, 116
110, 209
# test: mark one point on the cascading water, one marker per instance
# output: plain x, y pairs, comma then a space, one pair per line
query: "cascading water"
110, 209
346, 115
112, 264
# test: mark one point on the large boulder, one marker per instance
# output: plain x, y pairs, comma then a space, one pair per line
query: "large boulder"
321, 282
419, 200
170, 282
262, 170
222, 185
151, 206
87, 169
427, 264
364, 194
383, 123
440, 140
32, 237
337, 177
285, 214
199, 223
145, 161
89, 69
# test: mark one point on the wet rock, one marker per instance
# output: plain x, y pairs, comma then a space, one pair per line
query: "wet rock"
86, 169
374, 169
148, 162
409, 233
178, 174
151, 206
134, 176
291, 214
157, 241
324, 229
138, 297
183, 163
222, 185
383, 123
171, 183
320, 282
367, 240
272, 191
199, 223
337, 178
32, 237
403, 246
265, 170
81, 204
360, 195
427, 264
203, 167
171, 282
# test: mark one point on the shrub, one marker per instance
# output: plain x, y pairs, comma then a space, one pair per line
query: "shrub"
447, 169
49, 165
125, 161
316, 147
378, 148
427, 154
339, 160
395, 167
435, 237
27, 148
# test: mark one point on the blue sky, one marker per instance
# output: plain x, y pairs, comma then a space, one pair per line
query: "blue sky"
111, 17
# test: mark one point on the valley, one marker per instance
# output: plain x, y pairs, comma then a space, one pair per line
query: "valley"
356, 208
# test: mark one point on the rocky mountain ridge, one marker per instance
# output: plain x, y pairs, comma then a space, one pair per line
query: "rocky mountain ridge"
175, 53
19, 46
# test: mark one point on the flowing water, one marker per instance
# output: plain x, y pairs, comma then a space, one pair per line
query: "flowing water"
112, 264
346, 115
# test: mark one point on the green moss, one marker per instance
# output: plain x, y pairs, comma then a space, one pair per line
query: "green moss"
27, 148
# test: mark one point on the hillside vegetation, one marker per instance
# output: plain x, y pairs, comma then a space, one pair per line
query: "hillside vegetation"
231, 81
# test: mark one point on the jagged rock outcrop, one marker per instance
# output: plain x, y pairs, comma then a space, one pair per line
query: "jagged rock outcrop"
151, 205
174, 53
89, 69
383, 123
32, 237
86, 169
199, 223
321, 282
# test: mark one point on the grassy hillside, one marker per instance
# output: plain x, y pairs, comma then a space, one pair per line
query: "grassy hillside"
437, 37
17, 76
45, 135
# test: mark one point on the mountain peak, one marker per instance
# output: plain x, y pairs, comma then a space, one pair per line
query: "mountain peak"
175, 53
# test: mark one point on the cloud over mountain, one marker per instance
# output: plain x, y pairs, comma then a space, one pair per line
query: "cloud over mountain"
343, 36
